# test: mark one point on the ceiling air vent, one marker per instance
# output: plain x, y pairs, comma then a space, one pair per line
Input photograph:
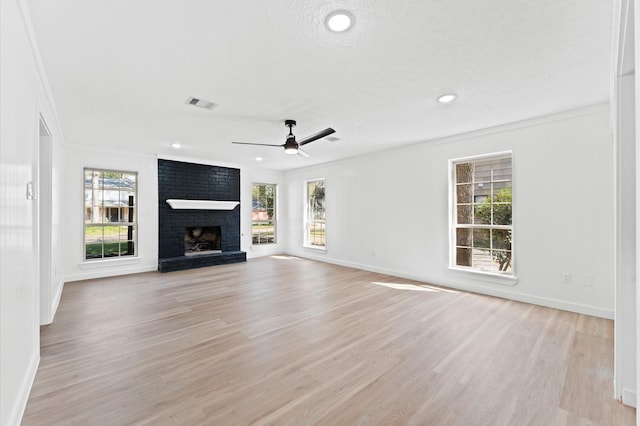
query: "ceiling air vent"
200, 103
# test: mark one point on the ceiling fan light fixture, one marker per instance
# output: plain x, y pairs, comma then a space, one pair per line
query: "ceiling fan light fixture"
446, 98
291, 148
339, 21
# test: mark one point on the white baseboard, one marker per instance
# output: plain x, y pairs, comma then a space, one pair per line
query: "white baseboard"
17, 411
56, 301
481, 289
629, 397
111, 272
262, 251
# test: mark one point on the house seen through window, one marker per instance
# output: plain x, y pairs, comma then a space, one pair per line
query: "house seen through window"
482, 214
263, 214
110, 214
315, 225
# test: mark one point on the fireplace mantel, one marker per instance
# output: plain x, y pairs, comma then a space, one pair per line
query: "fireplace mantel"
202, 204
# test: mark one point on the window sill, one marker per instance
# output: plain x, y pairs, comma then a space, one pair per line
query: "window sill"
94, 264
316, 249
261, 246
489, 277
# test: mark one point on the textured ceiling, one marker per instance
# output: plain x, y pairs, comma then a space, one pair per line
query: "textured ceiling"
121, 70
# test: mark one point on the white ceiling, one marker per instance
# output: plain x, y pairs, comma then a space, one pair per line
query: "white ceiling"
121, 70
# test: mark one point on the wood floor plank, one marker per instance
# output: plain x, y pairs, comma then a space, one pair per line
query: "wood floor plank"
288, 341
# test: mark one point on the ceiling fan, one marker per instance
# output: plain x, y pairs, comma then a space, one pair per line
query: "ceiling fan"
291, 146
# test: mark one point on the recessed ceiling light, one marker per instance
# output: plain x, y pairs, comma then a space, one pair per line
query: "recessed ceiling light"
445, 99
176, 145
340, 21
259, 158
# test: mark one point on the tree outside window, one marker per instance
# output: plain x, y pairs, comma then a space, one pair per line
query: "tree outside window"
483, 219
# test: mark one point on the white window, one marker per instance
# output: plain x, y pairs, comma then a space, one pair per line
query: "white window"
315, 224
110, 213
263, 213
482, 225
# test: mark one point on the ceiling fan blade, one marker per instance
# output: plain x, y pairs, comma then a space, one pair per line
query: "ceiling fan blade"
302, 153
258, 144
319, 135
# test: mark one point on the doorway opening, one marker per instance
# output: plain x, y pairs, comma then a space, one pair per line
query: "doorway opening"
44, 203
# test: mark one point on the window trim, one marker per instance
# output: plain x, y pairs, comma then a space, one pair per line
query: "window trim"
509, 278
276, 209
115, 259
306, 221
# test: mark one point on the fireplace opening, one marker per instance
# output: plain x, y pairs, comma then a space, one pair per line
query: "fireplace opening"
202, 240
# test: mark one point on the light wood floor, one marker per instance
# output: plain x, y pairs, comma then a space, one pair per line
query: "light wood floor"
292, 341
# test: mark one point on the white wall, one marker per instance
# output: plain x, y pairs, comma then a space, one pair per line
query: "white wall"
249, 176
635, 46
25, 97
623, 118
388, 211
625, 274
77, 158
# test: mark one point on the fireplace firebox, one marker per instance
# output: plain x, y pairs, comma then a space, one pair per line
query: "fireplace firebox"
202, 240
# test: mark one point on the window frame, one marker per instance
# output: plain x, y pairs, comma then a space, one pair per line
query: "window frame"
275, 214
134, 224
307, 220
506, 277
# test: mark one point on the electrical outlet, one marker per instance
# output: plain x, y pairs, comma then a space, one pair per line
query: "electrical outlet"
566, 278
587, 280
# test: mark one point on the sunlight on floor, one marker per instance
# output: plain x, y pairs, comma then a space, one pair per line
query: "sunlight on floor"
282, 257
414, 287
